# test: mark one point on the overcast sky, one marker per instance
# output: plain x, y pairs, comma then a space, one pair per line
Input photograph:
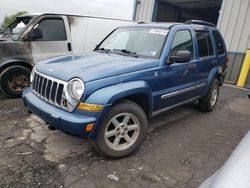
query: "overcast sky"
109, 8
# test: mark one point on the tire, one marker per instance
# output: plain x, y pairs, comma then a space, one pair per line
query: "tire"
14, 80
123, 138
208, 102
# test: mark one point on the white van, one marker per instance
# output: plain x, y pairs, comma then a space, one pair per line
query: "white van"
34, 37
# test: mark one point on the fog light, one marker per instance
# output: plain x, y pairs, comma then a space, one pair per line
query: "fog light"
89, 127
90, 107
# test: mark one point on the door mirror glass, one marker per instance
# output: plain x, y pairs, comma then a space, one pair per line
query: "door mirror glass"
35, 34
180, 57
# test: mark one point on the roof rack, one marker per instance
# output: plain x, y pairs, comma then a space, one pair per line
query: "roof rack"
200, 22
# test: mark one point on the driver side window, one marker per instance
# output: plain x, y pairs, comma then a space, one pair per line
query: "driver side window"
182, 42
52, 29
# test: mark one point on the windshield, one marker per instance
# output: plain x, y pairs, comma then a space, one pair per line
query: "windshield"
14, 29
139, 41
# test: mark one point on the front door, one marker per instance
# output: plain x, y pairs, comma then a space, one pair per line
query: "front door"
176, 79
55, 39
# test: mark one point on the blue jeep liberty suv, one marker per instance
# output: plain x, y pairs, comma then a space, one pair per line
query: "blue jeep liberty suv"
137, 71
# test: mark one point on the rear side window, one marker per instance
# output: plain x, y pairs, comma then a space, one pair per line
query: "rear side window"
52, 30
219, 42
182, 42
204, 43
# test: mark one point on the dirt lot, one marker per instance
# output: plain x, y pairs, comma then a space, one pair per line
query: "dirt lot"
183, 147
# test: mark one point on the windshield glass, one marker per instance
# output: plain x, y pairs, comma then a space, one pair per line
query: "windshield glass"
140, 41
14, 29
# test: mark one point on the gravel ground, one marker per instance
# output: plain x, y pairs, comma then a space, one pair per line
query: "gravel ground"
183, 147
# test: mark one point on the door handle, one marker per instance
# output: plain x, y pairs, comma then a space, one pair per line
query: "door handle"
69, 47
192, 66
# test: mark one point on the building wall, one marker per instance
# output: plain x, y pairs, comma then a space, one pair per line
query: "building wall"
144, 10
248, 81
234, 25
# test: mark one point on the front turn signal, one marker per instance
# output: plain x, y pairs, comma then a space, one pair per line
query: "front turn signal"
89, 127
90, 107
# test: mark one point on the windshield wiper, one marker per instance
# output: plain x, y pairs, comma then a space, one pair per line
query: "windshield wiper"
134, 54
103, 50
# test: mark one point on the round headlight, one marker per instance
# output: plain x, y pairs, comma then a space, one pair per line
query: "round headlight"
32, 74
76, 88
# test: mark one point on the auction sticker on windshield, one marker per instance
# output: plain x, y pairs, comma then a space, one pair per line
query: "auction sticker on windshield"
159, 31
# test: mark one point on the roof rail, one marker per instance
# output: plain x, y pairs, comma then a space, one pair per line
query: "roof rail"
200, 22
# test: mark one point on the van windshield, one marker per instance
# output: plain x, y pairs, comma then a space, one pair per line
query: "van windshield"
14, 29
135, 41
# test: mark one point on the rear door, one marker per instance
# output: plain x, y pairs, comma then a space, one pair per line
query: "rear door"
56, 38
206, 58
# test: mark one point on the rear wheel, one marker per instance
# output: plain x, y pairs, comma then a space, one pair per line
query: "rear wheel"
14, 80
208, 102
122, 131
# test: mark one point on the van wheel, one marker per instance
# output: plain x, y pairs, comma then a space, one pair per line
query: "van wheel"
208, 102
14, 80
122, 131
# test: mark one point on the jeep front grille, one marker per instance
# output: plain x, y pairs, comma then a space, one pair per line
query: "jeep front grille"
49, 89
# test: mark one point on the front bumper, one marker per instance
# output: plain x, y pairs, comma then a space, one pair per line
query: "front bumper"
69, 122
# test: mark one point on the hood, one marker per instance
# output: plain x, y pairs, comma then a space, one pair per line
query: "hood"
15, 50
92, 66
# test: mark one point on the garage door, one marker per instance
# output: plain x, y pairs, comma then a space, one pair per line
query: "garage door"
182, 10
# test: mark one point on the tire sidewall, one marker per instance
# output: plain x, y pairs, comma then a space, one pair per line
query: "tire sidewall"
7, 75
123, 107
215, 84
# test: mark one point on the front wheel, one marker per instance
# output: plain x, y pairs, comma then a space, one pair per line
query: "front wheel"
14, 80
208, 102
122, 131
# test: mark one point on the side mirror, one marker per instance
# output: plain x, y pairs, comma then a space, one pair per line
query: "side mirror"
180, 57
35, 34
